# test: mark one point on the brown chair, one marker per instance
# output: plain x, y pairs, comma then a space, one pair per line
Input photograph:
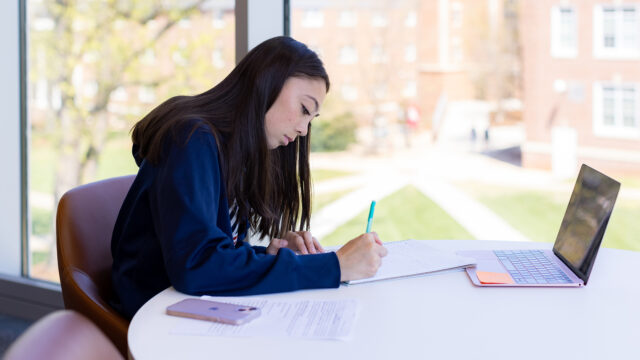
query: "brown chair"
84, 224
62, 335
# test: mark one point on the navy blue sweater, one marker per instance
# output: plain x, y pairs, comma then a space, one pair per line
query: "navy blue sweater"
174, 230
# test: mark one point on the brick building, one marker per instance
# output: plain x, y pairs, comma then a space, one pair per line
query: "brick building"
581, 70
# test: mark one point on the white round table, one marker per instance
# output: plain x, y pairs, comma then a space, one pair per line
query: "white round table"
440, 316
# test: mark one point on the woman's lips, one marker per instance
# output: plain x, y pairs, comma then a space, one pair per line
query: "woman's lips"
287, 140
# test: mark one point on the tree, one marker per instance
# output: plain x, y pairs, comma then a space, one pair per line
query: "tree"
89, 49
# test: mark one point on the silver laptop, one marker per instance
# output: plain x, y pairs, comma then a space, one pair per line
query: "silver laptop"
574, 252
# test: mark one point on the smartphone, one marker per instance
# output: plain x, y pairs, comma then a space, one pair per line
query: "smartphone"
214, 311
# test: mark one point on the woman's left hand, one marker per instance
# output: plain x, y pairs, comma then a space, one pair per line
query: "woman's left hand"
302, 242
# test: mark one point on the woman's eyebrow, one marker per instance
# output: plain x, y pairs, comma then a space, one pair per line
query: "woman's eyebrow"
314, 101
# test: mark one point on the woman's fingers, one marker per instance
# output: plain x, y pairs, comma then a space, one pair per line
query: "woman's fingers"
275, 245
319, 247
303, 242
308, 242
361, 257
376, 238
302, 248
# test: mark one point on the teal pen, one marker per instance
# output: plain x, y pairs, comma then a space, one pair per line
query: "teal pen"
373, 206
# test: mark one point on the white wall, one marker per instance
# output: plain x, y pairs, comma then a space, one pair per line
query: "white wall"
9, 139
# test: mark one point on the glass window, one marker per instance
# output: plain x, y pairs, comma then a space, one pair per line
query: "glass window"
629, 28
564, 32
378, 19
422, 124
410, 53
378, 54
411, 19
313, 19
82, 104
218, 20
348, 18
567, 28
608, 106
410, 89
348, 55
456, 14
217, 58
616, 31
619, 110
629, 111
349, 92
609, 28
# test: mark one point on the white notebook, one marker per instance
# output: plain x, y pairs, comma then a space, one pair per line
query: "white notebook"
415, 257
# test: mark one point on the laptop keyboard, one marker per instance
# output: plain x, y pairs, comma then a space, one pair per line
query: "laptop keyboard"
531, 267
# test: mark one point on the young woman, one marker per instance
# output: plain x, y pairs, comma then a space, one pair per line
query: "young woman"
214, 164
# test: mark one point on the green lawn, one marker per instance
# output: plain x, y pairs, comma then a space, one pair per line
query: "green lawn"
115, 160
319, 175
404, 214
320, 201
538, 214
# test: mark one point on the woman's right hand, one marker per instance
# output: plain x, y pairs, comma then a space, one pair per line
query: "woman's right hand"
361, 257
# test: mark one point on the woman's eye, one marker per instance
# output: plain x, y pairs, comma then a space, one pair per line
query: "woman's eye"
305, 111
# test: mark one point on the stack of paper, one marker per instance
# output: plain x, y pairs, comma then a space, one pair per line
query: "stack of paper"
299, 318
415, 257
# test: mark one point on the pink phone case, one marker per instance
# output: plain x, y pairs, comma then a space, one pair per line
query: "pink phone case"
214, 311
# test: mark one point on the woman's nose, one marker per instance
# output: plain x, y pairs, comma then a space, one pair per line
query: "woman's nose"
303, 127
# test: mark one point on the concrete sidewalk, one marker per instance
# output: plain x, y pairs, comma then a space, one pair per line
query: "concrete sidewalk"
347, 207
430, 173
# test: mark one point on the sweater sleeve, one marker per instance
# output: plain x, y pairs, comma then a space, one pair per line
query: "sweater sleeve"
191, 220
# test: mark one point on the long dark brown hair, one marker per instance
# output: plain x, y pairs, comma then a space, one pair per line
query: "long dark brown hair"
271, 188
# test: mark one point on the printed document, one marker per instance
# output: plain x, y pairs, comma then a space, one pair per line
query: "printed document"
415, 257
307, 319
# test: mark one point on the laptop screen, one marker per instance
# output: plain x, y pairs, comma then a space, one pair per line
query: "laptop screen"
585, 220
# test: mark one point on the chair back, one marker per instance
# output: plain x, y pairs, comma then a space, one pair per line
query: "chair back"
62, 335
84, 225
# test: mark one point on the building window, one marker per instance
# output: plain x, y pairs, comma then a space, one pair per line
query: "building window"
410, 89
410, 53
379, 19
608, 106
146, 94
456, 14
564, 32
348, 55
218, 19
349, 92
184, 23
456, 49
629, 111
348, 18
120, 94
616, 31
379, 55
616, 110
411, 20
149, 57
217, 58
380, 90
313, 19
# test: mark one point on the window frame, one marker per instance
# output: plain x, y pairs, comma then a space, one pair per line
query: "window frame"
20, 295
617, 52
558, 49
618, 129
